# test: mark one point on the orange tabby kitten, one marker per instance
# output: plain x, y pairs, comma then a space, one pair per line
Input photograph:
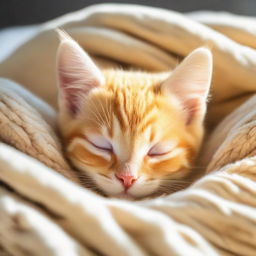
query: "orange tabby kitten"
134, 134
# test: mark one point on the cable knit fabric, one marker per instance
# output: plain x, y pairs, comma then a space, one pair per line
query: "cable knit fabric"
43, 208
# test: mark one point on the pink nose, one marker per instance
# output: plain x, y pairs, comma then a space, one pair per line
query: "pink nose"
127, 179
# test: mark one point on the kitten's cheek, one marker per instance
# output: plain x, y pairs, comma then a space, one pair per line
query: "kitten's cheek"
144, 188
110, 187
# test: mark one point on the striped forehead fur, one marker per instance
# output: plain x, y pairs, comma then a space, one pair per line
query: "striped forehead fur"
130, 97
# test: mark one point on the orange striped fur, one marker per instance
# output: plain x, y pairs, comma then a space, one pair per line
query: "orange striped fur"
129, 113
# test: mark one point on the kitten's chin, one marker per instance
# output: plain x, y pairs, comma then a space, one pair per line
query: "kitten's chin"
125, 196
130, 197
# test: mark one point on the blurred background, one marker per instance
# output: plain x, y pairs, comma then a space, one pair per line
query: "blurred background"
21, 12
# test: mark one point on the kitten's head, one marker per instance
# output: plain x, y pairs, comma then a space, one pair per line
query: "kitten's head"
134, 134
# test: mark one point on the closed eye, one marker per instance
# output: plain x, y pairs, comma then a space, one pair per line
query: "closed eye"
99, 142
166, 155
161, 149
107, 148
157, 154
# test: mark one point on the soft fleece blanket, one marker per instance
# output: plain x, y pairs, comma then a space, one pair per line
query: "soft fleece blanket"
43, 208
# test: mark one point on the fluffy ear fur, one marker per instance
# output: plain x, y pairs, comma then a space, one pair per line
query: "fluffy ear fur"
190, 83
77, 74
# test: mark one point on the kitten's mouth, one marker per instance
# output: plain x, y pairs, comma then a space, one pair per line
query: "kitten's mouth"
125, 195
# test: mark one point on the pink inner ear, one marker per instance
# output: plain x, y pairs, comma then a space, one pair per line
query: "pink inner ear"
190, 83
192, 106
72, 100
74, 92
78, 75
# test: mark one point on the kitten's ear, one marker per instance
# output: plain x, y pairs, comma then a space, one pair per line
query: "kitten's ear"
77, 74
190, 83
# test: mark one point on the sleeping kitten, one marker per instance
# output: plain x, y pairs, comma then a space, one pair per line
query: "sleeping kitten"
134, 134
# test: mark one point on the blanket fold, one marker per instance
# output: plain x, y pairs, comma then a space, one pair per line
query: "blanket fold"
23, 127
148, 38
43, 207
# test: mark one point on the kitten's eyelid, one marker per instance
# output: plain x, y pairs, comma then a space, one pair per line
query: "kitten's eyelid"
161, 149
171, 154
157, 154
110, 149
99, 142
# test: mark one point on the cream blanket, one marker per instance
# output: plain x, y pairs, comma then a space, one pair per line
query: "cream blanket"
44, 213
